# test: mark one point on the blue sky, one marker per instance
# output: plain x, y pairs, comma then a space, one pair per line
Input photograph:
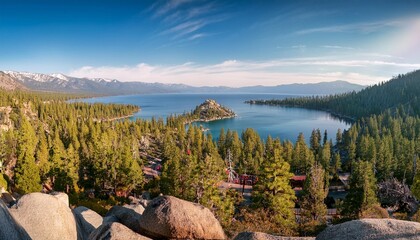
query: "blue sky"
201, 42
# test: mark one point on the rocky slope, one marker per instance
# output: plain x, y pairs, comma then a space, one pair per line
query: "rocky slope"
9, 83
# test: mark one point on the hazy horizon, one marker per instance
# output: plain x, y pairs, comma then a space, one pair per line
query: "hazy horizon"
213, 43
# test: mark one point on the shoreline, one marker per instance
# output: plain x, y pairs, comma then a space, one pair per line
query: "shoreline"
209, 120
114, 119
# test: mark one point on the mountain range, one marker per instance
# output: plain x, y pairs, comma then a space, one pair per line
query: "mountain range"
61, 83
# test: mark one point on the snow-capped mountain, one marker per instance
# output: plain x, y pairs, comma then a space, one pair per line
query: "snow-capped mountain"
26, 76
58, 82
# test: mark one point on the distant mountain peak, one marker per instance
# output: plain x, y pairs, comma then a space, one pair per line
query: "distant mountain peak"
62, 83
60, 76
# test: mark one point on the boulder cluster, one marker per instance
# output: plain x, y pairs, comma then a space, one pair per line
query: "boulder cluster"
49, 217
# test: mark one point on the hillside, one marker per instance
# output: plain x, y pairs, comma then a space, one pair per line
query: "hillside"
68, 84
321, 88
402, 91
9, 83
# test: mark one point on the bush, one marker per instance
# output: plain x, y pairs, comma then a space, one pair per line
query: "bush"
375, 211
400, 216
416, 216
311, 228
3, 181
100, 206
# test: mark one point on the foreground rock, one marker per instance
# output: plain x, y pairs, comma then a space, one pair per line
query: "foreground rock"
64, 198
129, 215
9, 228
45, 217
115, 231
372, 229
265, 236
87, 221
170, 217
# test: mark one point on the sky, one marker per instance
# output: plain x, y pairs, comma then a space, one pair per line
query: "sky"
213, 43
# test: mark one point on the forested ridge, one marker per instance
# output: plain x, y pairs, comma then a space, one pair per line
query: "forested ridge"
400, 92
72, 147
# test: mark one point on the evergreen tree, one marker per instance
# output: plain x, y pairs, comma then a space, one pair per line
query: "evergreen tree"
362, 193
336, 166
339, 136
27, 177
315, 192
415, 188
315, 141
325, 156
42, 157
274, 193
303, 158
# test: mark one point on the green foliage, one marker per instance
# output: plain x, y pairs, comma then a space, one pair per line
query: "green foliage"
27, 177
315, 192
274, 193
401, 90
3, 182
374, 211
415, 188
362, 193
303, 158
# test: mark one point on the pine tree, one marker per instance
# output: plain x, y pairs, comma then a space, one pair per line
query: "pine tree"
415, 188
315, 141
274, 193
27, 177
325, 157
362, 193
315, 192
42, 157
336, 166
339, 136
58, 153
221, 143
303, 157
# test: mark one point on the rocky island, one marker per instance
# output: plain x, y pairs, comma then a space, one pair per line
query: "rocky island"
209, 111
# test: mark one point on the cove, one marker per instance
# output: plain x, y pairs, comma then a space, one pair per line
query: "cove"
283, 122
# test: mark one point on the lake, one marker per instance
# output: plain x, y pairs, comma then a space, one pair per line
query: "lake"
282, 122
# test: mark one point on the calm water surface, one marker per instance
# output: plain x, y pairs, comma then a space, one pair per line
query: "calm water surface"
285, 123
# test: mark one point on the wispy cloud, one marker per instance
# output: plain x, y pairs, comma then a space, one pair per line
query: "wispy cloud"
198, 35
337, 47
245, 73
291, 15
363, 27
183, 20
169, 6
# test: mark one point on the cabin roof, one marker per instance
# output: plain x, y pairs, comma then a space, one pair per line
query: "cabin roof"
344, 178
298, 178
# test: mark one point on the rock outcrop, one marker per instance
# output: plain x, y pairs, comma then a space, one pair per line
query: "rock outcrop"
265, 236
9, 228
129, 215
87, 221
210, 110
372, 229
45, 217
170, 217
115, 231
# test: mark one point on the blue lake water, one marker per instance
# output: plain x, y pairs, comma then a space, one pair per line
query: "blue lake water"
285, 123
